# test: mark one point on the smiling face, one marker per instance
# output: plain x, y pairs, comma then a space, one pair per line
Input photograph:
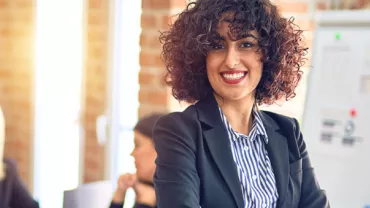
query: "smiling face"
234, 66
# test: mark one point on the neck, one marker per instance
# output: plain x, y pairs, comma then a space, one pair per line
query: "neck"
238, 112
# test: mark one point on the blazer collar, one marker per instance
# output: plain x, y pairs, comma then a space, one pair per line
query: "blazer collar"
278, 152
217, 139
208, 111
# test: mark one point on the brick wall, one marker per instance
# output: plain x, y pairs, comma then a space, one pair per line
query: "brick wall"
16, 81
153, 95
343, 4
95, 86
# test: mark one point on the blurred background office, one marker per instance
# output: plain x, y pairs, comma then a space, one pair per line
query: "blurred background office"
76, 75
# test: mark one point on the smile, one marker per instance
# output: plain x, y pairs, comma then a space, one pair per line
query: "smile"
233, 77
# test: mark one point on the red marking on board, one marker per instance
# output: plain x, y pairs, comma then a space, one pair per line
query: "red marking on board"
353, 112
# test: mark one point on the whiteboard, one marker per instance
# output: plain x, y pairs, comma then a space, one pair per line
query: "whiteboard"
336, 121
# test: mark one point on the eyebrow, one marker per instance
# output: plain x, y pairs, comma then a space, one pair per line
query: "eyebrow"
220, 37
248, 35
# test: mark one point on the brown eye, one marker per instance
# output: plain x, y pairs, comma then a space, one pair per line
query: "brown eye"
247, 45
217, 47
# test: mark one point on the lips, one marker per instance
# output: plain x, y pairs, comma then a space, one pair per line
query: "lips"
233, 77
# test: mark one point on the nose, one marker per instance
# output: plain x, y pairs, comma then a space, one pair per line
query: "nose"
232, 58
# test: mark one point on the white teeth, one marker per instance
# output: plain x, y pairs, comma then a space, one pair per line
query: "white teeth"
233, 76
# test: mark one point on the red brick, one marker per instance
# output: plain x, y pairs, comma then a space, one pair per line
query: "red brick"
143, 96
154, 97
305, 25
3, 3
321, 6
96, 51
147, 78
22, 15
148, 21
150, 40
148, 109
166, 21
4, 31
151, 59
97, 17
97, 36
22, 4
97, 4
178, 3
158, 61
158, 98
145, 4
4, 16
145, 58
156, 4
291, 6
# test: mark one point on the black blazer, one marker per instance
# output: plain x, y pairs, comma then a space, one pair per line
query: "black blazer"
195, 166
13, 193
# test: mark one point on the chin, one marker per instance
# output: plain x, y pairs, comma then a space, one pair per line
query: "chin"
233, 95
141, 175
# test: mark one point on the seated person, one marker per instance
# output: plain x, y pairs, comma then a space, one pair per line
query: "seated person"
144, 155
13, 193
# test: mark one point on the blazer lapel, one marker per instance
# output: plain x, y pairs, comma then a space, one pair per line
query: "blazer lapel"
217, 140
278, 152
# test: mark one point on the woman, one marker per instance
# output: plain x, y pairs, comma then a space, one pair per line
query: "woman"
12, 191
144, 155
228, 57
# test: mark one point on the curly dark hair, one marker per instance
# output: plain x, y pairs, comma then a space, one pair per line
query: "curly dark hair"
186, 43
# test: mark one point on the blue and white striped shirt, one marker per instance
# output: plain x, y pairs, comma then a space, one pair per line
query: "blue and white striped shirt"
255, 173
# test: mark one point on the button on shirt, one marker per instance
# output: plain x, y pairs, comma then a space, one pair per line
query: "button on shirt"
255, 173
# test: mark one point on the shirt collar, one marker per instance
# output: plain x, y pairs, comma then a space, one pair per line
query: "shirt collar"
258, 130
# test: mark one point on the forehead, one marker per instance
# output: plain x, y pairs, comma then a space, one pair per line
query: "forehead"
224, 30
139, 137
236, 31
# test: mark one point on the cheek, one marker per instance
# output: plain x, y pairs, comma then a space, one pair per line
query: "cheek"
258, 70
254, 65
146, 156
146, 165
151, 156
213, 64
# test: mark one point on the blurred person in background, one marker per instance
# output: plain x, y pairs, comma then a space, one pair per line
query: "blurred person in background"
13, 193
144, 155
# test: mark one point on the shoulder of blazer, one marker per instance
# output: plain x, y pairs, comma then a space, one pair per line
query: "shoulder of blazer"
184, 123
288, 127
188, 115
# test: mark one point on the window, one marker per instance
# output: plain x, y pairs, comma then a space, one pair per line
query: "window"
59, 51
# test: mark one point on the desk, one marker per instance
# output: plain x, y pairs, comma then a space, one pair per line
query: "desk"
92, 195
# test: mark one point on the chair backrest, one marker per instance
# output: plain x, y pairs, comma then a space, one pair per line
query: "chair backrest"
92, 195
